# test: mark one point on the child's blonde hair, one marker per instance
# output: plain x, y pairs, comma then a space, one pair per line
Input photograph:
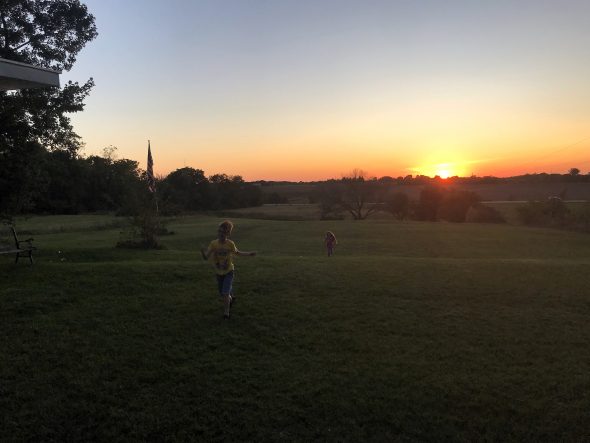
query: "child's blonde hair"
226, 227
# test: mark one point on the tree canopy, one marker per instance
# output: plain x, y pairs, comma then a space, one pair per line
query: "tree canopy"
49, 34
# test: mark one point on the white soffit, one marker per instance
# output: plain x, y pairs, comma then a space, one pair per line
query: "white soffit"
16, 75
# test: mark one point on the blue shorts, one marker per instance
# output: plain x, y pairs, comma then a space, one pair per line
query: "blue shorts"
224, 283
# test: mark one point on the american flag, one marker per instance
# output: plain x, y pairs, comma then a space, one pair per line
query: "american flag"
150, 171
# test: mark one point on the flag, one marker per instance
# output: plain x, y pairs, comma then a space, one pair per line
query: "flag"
150, 171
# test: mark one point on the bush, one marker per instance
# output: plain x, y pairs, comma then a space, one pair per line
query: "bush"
531, 213
579, 219
275, 199
479, 213
436, 202
427, 207
143, 233
552, 212
398, 204
455, 204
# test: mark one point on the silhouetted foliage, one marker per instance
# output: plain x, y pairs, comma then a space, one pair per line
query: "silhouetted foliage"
428, 204
233, 192
61, 178
455, 204
144, 231
68, 184
574, 171
580, 220
398, 204
438, 202
328, 196
353, 194
275, 198
479, 213
551, 212
47, 34
186, 189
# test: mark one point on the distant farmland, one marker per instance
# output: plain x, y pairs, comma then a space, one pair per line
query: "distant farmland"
300, 192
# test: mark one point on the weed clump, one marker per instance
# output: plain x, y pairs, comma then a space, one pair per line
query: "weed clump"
143, 232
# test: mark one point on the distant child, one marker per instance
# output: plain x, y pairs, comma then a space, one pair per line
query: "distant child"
331, 242
222, 251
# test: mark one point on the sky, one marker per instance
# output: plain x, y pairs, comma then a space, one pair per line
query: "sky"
304, 90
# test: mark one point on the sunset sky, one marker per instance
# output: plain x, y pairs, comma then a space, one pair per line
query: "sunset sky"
309, 90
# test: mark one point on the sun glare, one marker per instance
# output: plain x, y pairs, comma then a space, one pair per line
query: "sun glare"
443, 173
442, 170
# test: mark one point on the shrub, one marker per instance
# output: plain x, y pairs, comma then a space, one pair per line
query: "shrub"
579, 219
552, 212
479, 213
143, 232
276, 199
437, 202
531, 213
398, 204
427, 207
455, 204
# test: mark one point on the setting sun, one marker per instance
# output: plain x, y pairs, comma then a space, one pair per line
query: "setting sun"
442, 170
443, 173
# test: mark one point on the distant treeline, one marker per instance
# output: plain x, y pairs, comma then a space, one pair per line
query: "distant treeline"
61, 183
360, 198
573, 176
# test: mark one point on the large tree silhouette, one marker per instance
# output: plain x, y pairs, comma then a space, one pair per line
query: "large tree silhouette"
49, 34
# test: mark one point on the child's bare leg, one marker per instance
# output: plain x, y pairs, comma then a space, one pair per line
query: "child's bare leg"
226, 303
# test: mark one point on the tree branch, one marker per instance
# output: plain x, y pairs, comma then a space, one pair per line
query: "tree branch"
24, 44
5, 29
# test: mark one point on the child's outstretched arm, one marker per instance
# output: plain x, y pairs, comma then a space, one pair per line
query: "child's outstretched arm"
205, 254
246, 254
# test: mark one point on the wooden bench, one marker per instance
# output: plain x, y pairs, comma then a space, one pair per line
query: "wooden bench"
22, 248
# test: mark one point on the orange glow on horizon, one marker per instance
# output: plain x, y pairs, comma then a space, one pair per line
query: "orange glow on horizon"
442, 170
331, 157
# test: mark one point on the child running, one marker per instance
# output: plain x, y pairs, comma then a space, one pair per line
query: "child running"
331, 242
222, 251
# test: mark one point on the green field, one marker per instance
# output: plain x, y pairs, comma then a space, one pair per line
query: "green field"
411, 332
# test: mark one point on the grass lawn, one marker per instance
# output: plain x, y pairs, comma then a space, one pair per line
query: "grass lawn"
412, 331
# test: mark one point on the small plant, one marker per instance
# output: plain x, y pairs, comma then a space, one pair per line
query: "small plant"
144, 232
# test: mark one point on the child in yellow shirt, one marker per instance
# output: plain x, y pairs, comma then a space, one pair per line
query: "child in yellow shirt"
221, 251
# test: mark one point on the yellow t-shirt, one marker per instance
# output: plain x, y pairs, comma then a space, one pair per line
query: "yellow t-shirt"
222, 254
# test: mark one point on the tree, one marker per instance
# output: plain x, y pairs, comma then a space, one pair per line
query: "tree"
185, 189
328, 196
455, 204
49, 34
64, 190
353, 194
360, 197
398, 204
574, 171
429, 202
230, 191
